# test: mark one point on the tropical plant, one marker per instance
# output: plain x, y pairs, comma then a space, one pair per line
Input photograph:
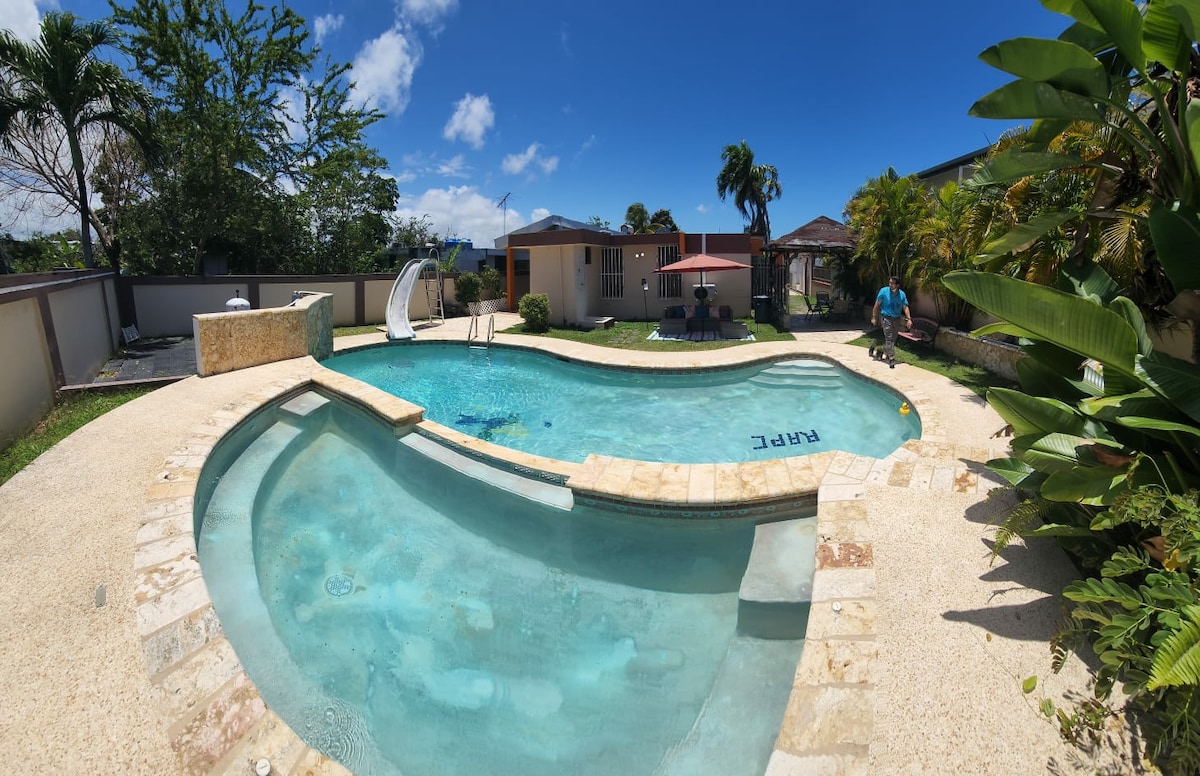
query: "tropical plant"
640, 221
1103, 424
882, 215
489, 279
59, 87
535, 309
467, 288
949, 238
1125, 69
751, 185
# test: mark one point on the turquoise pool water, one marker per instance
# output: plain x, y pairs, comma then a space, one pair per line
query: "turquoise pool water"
542, 405
405, 618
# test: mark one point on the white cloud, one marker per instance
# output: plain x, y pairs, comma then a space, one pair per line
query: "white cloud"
464, 212
515, 164
383, 71
537, 215
702, 209
455, 167
327, 24
21, 16
427, 12
473, 117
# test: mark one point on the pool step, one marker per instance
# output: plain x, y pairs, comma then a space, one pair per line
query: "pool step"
776, 591
727, 735
801, 373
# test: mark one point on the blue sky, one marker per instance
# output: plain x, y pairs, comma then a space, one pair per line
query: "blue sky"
580, 109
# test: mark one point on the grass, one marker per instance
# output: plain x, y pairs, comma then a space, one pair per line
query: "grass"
71, 411
347, 331
631, 335
976, 378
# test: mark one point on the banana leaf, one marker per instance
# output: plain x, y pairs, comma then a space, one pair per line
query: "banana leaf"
1017, 473
1175, 380
1186, 12
1088, 280
1124, 307
1039, 380
1068, 321
1053, 452
1122, 20
1156, 424
1076, 9
1164, 39
1033, 100
1142, 403
1094, 485
1001, 327
1176, 232
1015, 164
1060, 64
1191, 120
1025, 234
1034, 414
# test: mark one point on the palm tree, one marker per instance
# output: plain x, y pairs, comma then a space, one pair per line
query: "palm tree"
58, 84
752, 186
882, 214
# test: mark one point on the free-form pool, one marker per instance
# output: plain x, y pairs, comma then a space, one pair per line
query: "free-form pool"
405, 618
558, 409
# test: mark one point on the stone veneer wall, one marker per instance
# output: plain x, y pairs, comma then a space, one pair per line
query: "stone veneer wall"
999, 358
236, 340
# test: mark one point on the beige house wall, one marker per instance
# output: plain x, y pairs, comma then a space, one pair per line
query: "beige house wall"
28, 375
280, 295
574, 286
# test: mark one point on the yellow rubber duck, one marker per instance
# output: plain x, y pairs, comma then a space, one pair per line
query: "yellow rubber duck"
904, 408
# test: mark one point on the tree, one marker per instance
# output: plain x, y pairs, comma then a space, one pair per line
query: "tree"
883, 214
661, 219
248, 122
752, 186
949, 238
600, 222
639, 220
60, 85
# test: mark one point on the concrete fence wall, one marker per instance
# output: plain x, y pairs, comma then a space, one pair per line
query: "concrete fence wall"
56, 329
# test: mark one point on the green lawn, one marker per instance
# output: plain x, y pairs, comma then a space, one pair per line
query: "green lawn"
70, 412
631, 335
346, 331
970, 376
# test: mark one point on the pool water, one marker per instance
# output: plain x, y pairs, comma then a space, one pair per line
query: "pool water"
545, 406
405, 618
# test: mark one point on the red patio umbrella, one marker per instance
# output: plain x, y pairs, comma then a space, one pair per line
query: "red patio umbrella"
702, 262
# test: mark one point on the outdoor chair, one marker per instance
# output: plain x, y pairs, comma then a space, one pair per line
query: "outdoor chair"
817, 308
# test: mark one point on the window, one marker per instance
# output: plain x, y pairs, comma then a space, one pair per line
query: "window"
670, 285
612, 274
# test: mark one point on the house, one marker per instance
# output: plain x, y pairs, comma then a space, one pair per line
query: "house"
957, 169
589, 272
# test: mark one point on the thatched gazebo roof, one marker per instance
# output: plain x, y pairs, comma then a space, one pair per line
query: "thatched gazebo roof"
822, 235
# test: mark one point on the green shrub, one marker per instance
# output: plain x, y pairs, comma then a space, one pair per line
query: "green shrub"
535, 309
490, 279
467, 288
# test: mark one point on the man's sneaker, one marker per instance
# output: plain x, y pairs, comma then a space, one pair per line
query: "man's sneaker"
891, 363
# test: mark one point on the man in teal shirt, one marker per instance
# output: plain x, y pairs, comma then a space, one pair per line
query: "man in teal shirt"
890, 306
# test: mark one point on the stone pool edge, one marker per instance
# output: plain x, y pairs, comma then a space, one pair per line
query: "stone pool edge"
217, 722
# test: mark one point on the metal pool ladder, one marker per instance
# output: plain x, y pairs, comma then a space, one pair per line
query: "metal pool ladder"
473, 332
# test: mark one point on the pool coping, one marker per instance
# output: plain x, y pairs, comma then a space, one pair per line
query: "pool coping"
217, 722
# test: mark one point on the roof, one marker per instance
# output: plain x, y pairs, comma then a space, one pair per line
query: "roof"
820, 235
952, 164
549, 224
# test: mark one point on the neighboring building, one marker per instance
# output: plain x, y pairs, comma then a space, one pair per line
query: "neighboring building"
589, 272
958, 169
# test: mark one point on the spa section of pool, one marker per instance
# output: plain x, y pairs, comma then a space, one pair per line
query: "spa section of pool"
405, 618
539, 404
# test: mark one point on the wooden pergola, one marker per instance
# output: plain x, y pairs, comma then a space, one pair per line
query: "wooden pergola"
819, 238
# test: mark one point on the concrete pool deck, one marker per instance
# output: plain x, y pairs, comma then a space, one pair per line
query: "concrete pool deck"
916, 649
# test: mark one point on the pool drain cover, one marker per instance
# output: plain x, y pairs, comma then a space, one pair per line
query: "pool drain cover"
338, 585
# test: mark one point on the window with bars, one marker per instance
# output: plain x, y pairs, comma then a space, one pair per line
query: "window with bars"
612, 274
670, 284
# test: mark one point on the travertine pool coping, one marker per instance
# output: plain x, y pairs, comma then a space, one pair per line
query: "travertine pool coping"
872, 695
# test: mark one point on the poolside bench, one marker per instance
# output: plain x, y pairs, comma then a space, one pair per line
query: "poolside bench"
681, 319
923, 332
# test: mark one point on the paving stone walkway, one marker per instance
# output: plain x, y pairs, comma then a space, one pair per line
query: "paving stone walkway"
147, 360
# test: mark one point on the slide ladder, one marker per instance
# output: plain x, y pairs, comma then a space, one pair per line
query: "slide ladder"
433, 292
396, 314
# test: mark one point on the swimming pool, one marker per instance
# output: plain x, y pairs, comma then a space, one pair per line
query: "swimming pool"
403, 617
546, 406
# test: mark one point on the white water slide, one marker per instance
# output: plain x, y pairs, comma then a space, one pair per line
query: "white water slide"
398, 325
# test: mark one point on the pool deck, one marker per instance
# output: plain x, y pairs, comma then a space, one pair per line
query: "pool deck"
917, 643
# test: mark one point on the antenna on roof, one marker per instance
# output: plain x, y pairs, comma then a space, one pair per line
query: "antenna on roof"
503, 203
